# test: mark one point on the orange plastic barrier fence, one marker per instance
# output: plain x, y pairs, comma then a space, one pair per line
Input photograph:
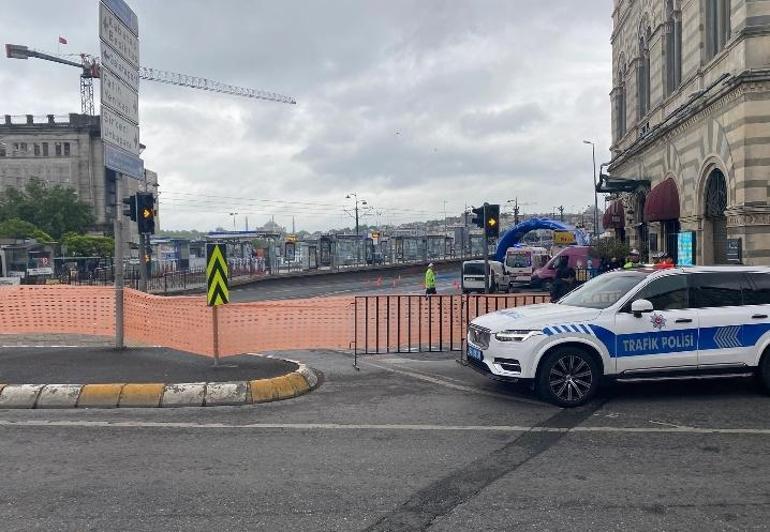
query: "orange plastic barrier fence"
57, 309
370, 323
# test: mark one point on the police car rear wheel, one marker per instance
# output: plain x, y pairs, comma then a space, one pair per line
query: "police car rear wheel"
569, 377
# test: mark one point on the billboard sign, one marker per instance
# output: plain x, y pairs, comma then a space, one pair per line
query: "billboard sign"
686, 248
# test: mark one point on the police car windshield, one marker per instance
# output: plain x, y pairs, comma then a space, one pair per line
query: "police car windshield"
603, 291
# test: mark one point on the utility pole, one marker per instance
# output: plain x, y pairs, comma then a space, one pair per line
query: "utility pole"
561, 213
353, 195
516, 211
143, 244
596, 194
118, 265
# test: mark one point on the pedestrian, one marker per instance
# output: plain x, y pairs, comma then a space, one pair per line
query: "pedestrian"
633, 260
430, 280
563, 281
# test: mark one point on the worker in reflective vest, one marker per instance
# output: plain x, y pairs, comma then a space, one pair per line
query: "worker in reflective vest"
430, 280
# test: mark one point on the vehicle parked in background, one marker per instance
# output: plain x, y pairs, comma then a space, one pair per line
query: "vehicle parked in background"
473, 276
577, 259
522, 262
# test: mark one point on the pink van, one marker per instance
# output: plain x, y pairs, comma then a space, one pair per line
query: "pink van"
578, 260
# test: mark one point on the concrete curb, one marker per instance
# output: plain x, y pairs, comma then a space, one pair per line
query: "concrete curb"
159, 395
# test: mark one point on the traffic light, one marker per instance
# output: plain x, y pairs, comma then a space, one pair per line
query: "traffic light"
492, 221
145, 212
478, 216
129, 207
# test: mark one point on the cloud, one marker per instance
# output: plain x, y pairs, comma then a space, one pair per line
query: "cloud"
407, 102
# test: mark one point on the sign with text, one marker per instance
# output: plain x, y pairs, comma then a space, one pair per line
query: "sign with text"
123, 162
734, 250
563, 238
112, 61
117, 35
119, 132
124, 13
118, 96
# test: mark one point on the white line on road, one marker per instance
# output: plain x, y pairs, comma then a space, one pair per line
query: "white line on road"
337, 426
442, 382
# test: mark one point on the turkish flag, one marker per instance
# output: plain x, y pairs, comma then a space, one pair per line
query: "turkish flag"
62, 40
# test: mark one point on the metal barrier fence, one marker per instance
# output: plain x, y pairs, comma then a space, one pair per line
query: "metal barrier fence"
418, 323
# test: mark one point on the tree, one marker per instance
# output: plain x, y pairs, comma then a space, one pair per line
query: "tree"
88, 246
609, 248
15, 228
54, 209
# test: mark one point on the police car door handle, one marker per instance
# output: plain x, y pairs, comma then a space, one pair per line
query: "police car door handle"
684, 320
759, 317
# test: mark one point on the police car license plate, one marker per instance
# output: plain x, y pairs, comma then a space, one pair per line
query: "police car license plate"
475, 353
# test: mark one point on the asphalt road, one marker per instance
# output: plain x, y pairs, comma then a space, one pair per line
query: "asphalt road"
407, 443
350, 283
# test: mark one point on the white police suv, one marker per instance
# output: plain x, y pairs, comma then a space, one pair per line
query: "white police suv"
632, 325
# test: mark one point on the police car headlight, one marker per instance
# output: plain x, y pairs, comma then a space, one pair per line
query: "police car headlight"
516, 335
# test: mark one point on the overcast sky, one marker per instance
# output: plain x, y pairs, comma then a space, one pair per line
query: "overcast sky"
408, 103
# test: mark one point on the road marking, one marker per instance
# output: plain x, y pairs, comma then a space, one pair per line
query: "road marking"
352, 427
460, 387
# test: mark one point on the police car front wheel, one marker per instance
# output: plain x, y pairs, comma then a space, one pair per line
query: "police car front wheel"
764, 371
568, 377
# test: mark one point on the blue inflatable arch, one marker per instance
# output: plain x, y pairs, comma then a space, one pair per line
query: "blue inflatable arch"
514, 235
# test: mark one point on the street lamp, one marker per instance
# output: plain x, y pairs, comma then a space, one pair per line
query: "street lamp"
353, 195
596, 196
234, 214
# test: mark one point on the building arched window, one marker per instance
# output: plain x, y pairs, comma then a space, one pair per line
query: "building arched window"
620, 100
673, 46
717, 26
643, 75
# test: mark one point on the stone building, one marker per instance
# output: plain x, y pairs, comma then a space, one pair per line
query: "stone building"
691, 126
67, 151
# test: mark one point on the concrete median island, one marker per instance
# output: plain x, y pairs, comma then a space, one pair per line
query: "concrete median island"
100, 377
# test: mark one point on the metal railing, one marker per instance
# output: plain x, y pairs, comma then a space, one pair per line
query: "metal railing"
418, 323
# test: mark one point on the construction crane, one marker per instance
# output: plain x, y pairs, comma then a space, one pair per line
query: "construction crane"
91, 68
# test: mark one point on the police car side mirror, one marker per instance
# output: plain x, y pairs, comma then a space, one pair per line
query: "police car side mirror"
641, 306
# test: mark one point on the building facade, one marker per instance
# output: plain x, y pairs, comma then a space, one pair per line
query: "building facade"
691, 126
68, 151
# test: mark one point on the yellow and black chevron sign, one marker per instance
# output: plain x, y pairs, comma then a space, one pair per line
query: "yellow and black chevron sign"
216, 274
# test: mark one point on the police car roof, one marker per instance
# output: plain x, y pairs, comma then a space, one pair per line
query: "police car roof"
707, 269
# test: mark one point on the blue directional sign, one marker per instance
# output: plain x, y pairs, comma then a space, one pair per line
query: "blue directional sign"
123, 162
124, 13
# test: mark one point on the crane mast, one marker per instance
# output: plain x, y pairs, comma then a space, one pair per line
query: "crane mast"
91, 68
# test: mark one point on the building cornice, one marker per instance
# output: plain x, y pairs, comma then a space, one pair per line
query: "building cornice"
733, 88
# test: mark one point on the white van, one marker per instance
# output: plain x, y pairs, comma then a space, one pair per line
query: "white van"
473, 276
521, 262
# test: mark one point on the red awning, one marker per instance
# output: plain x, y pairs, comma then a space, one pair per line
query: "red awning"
614, 216
662, 202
